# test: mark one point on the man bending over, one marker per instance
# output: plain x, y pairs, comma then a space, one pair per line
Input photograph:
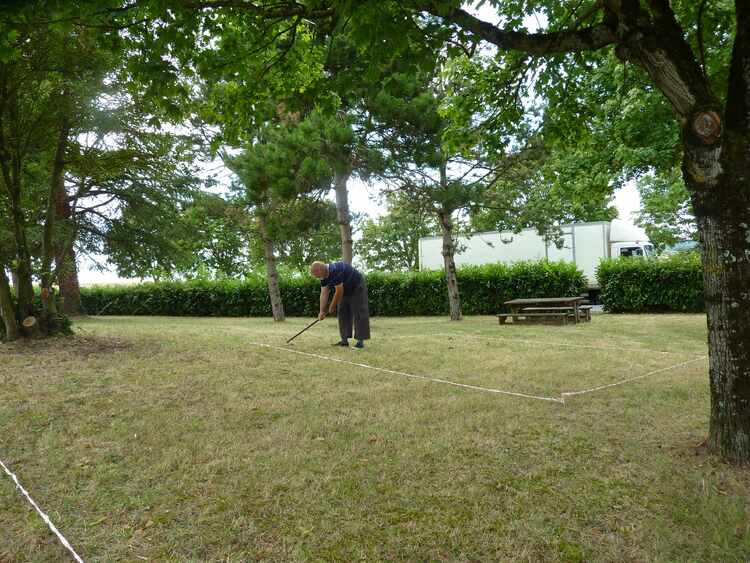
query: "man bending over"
349, 300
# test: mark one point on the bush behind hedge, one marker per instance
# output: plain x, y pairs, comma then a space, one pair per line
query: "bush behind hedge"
636, 286
483, 289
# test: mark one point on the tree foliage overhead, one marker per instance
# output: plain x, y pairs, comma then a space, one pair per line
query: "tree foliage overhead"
666, 212
51, 70
129, 188
391, 243
283, 178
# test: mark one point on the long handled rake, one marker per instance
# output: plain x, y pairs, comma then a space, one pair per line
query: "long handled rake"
303, 330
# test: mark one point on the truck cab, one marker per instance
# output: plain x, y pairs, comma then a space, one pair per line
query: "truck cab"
626, 240
627, 249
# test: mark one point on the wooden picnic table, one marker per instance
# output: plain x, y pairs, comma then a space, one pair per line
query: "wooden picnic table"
544, 308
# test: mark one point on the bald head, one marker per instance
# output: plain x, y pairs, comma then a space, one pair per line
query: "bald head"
319, 270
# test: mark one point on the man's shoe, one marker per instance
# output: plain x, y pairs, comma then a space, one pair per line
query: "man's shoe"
344, 343
359, 345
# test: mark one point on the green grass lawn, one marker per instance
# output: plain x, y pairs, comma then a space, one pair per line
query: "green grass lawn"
183, 439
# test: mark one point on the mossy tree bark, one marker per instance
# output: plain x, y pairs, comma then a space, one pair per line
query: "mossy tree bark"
66, 268
7, 311
451, 279
340, 180
272, 275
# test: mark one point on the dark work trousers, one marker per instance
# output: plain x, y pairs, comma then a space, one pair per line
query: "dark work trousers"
354, 310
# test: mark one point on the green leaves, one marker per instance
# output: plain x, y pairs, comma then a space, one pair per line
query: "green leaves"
285, 175
666, 212
391, 243
288, 160
636, 286
8, 46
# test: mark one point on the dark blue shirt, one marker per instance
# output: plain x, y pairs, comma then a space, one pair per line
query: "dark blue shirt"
341, 272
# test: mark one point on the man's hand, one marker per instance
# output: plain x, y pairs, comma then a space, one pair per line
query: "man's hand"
332, 309
322, 315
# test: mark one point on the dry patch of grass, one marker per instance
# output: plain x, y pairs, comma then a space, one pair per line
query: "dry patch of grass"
81, 345
168, 439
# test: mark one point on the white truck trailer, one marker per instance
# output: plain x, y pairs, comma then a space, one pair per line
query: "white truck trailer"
585, 244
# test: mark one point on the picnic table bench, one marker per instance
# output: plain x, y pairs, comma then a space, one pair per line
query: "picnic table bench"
546, 310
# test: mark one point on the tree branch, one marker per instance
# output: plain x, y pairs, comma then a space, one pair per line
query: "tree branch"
587, 13
292, 9
86, 226
82, 210
587, 39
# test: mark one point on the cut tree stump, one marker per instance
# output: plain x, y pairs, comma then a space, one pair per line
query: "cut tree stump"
30, 327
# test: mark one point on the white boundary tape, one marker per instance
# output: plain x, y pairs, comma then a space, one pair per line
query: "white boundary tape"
46, 519
423, 377
561, 399
600, 387
544, 343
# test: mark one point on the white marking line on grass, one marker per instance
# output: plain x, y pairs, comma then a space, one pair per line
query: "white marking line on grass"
600, 387
62, 539
544, 343
564, 394
423, 377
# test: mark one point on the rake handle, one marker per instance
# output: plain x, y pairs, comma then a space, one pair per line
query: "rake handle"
303, 330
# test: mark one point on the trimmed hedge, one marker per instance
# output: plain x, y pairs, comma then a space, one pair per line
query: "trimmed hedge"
635, 286
483, 290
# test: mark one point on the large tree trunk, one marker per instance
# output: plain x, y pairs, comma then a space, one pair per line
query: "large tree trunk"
7, 312
65, 258
716, 169
727, 294
272, 276
454, 300
24, 287
21, 271
67, 278
11, 167
340, 179
57, 181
